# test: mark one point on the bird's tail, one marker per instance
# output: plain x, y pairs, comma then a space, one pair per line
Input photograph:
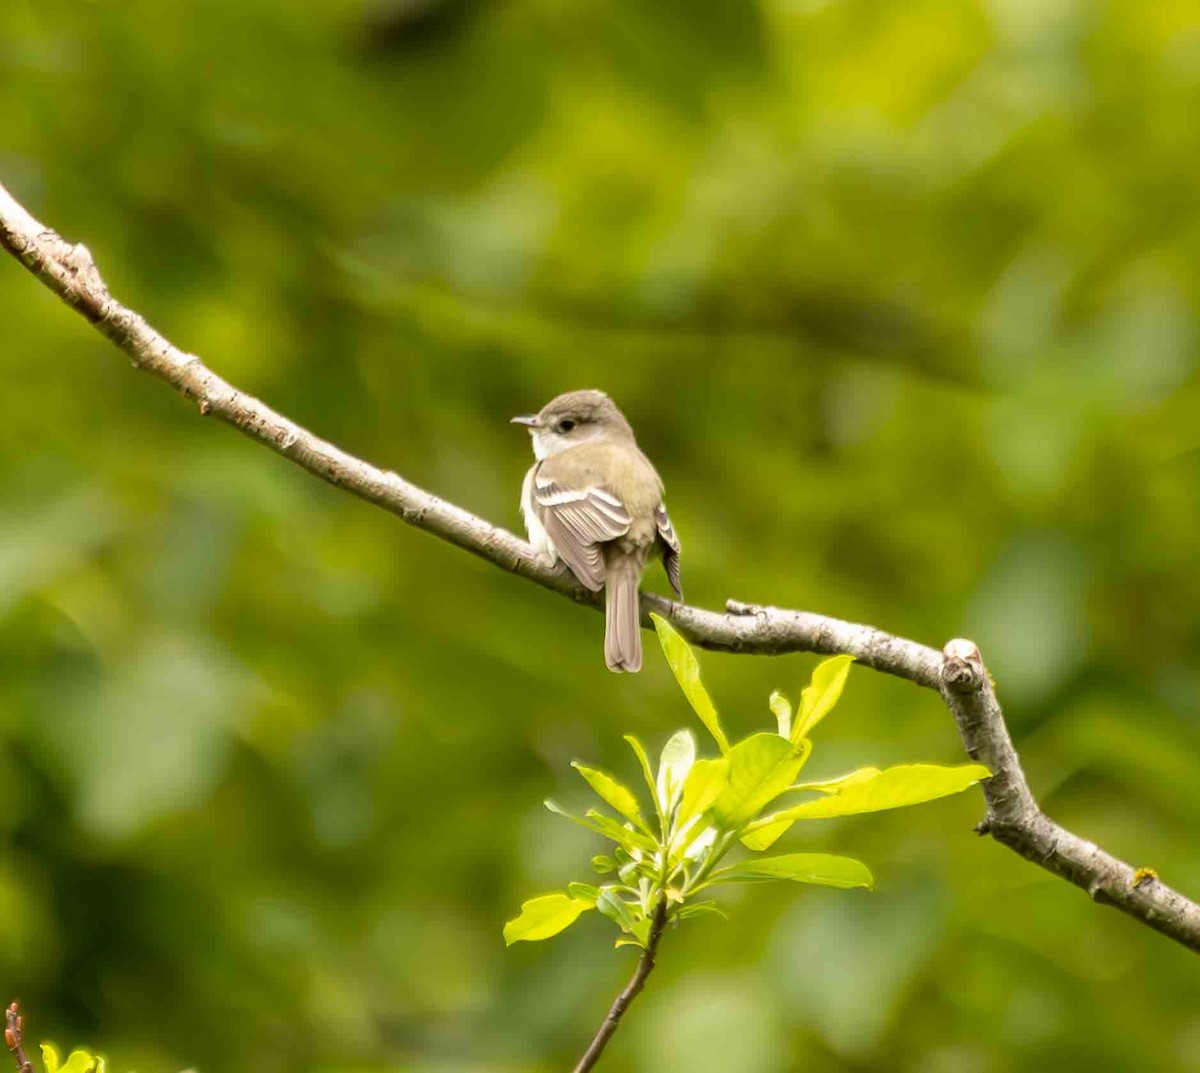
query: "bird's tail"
622, 616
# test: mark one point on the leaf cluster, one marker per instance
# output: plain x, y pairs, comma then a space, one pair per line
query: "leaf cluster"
702, 808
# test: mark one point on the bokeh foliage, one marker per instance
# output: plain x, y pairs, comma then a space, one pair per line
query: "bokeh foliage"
902, 298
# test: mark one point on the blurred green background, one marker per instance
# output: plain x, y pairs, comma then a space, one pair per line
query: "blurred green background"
903, 300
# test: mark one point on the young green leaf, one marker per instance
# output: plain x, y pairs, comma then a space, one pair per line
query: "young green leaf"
693, 909
606, 826
764, 836
686, 669
894, 787
584, 892
641, 929
612, 793
639, 751
761, 767
836, 786
629, 872
602, 864
824, 869
766, 832
620, 833
674, 766
782, 708
821, 694
79, 1061
617, 910
704, 784
543, 917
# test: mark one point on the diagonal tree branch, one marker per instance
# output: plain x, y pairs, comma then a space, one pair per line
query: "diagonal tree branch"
1013, 819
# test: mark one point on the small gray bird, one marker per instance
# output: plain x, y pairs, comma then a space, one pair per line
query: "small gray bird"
593, 500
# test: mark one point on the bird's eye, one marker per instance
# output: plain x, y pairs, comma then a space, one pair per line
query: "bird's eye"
565, 425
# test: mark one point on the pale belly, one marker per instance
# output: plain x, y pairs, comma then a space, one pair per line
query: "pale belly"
543, 546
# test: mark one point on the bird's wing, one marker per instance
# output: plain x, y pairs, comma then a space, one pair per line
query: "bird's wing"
578, 521
670, 548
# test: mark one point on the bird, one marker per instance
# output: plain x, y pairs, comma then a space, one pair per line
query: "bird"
594, 501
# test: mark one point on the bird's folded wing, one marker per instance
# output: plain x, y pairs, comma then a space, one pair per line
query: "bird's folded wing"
578, 521
670, 551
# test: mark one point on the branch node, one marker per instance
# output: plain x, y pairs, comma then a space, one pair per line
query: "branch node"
962, 666
737, 607
1144, 877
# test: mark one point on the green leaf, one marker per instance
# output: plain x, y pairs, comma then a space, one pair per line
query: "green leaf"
641, 929
694, 909
601, 864
763, 837
543, 917
782, 707
824, 869
640, 752
50, 1058
686, 669
836, 786
583, 891
606, 826
612, 793
79, 1061
761, 767
620, 833
704, 784
674, 767
617, 910
764, 834
629, 873
821, 694
894, 787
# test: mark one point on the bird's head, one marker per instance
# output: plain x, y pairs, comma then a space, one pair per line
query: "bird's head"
574, 418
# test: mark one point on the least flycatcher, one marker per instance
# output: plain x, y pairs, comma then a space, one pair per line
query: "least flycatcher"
593, 500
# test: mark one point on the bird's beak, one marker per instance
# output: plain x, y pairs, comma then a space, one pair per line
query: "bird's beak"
528, 420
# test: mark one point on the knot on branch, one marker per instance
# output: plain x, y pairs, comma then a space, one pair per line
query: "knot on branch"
738, 607
85, 287
962, 666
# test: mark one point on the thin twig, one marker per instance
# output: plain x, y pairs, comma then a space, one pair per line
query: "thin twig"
14, 1026
621, 1003
1013, 816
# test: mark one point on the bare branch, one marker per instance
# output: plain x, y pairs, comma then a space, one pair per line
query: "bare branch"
621, 1003
14, 1026
1015, 820
1013, 816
